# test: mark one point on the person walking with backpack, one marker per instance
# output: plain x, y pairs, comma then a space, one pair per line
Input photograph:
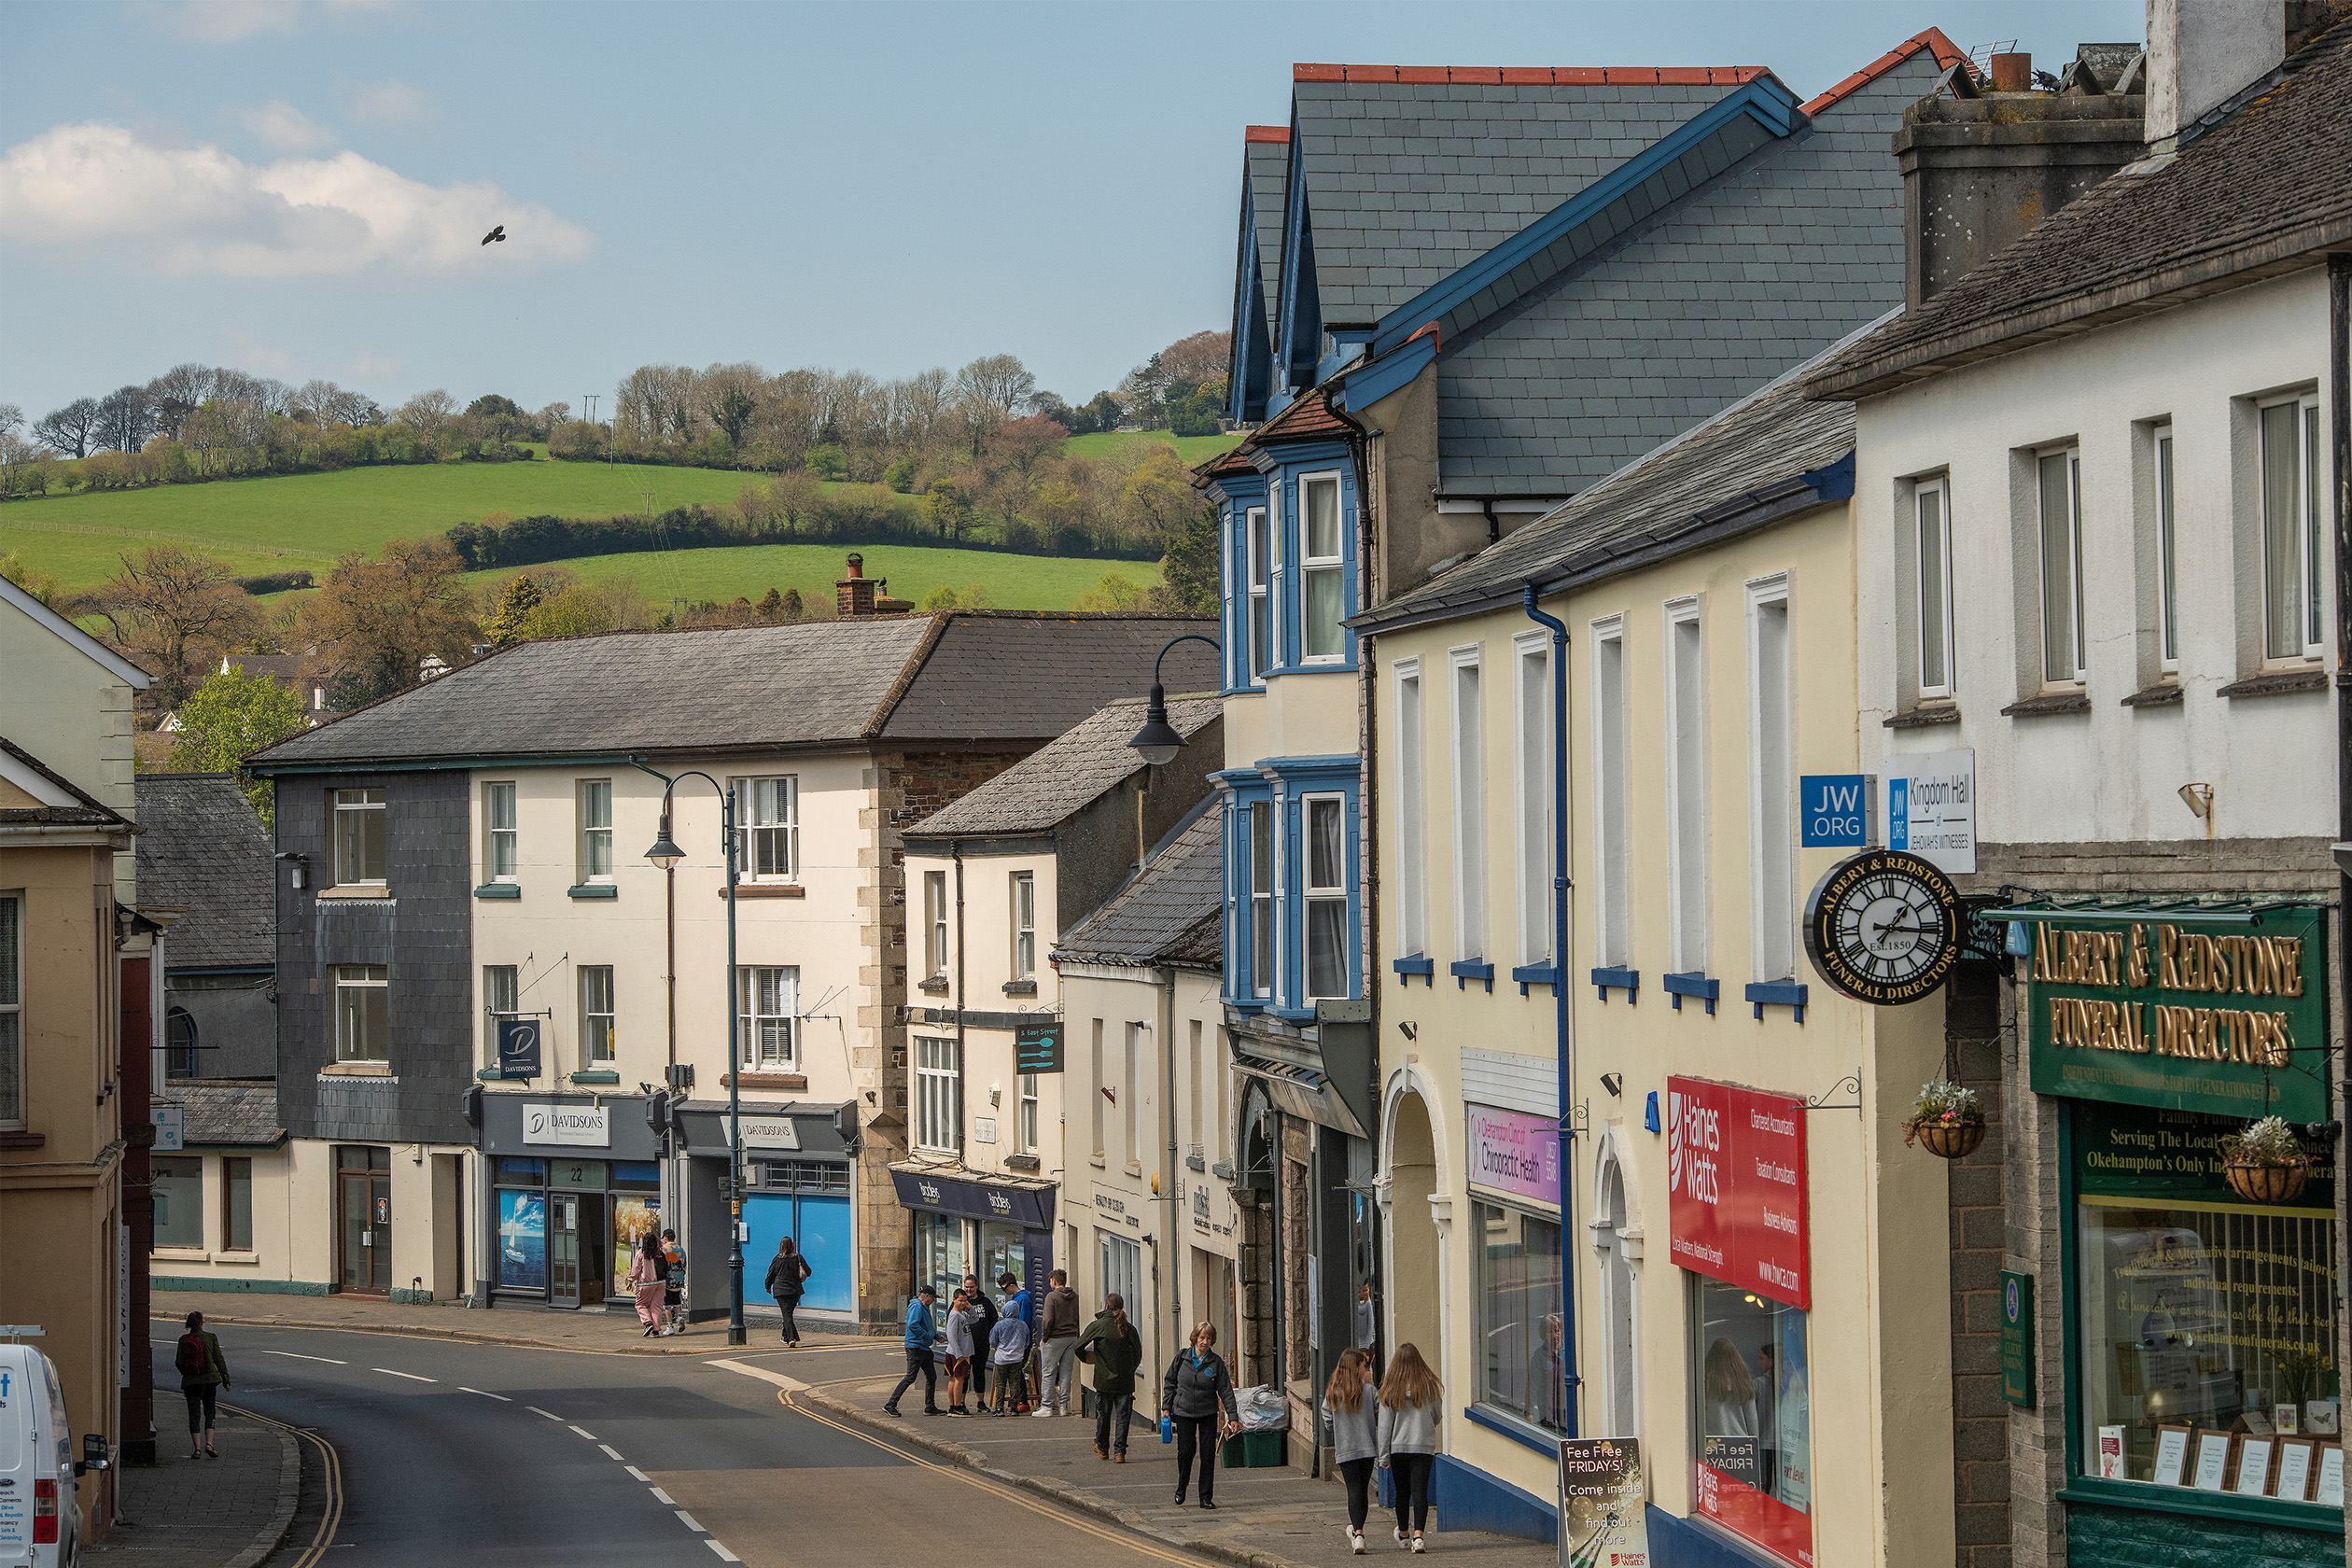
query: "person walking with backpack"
922, 1332
647, 1270
1351, 1411
203, 1373
787, 1277
1411, 1397
1113, 1347
1057, 1346
1197, 1395
674, 1283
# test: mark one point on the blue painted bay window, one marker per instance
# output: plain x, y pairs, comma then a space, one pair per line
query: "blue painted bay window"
1290, 565
1290, 884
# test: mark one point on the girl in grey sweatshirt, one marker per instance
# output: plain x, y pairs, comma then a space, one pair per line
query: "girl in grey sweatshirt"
1350, 1412
1410, 1402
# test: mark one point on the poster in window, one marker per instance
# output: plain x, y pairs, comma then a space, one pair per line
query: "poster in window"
2330, 1488
2294, 1469
1792, 1416
2172, 1455
1735, 1187
2213, 1460
633, 1219
2253, 1466
522, 1241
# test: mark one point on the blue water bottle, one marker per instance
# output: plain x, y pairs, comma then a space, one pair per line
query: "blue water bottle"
1168, 1428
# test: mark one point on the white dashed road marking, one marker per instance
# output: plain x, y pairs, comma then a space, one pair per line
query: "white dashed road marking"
537, 1411
688, 1520
639, 1475
409, 1375
664, 1498
608, 1452
724, 1555
486, 1394
585, 1433
292, 1356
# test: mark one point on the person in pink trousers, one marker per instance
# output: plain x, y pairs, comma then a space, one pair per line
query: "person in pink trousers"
646, 1274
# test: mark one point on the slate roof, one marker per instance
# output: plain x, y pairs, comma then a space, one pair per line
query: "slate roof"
1173, 911
1265, 159
205, 853
79, 809
234, 1111
1748, 465
2262, 191
956, 676
1055, 782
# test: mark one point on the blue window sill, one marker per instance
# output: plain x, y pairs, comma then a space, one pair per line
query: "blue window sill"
1518, 1431
1466, 970
1627, 980
1777, 993
599, 1076
1420, 965
497, 891
593, 890
1693, 983
1535, 974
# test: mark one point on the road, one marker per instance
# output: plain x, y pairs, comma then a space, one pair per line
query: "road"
461, 1454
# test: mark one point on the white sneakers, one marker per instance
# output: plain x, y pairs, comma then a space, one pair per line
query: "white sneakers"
1042, 1411
1355, 1538
1418, 1547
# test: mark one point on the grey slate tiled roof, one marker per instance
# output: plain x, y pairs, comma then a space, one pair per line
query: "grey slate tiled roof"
234, 1111
2265, 189
1794, 249
204, 851
1267, 166
1172, 913
961, 674
1054, 783
1771, 438
1409, 182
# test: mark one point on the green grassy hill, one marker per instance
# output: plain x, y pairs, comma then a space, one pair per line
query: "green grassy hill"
1013, 581
1193, 449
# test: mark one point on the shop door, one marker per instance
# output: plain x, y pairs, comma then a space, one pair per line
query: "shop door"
562, 1248
363, 1181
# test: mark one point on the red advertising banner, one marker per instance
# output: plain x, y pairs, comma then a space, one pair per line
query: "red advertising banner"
1735, 1184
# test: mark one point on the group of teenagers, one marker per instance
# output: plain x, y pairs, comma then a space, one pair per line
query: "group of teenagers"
657, 1280
1375, 1422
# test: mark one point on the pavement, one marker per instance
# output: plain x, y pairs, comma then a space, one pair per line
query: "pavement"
229, 1512
608, 1333
1263, 1517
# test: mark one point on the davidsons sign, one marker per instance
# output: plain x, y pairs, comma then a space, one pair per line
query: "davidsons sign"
2154, 1006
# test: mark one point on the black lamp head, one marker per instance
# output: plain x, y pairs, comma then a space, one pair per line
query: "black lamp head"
1158, 740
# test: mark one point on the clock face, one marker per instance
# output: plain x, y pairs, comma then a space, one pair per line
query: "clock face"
1884, 927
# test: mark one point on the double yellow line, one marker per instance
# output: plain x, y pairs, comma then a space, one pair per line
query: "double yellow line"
1019, 1499
331, 1519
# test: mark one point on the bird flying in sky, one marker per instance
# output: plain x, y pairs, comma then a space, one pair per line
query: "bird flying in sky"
498, 234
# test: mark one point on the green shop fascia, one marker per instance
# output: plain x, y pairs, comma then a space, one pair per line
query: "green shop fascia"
2202, 1397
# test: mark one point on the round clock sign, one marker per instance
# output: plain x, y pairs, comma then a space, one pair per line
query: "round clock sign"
1884, 927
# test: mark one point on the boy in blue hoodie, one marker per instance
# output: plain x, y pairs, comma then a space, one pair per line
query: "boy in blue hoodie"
1008, 1352
922, 1330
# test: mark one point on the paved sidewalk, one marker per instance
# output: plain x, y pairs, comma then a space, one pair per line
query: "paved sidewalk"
1271, 1519
229, 1512
616, 1333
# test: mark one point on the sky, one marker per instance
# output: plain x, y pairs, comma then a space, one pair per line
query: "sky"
299, 187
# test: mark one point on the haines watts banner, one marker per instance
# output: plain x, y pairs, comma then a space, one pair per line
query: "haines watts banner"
1735, 1184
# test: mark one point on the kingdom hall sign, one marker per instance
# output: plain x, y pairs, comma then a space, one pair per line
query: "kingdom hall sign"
2182, 1014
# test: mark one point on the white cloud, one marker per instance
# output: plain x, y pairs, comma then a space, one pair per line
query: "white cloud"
221, 22
281, 126
392, 103
96, 188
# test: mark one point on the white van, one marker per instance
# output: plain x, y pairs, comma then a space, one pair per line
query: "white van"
40, 1526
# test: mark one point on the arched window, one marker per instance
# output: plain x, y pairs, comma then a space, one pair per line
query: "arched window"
179, 1043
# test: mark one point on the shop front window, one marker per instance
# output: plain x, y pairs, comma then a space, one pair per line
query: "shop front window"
1002, 1251
179, 1199
939, 1257
2207, 1324
1751, 1387
1522, 1372
522, 1224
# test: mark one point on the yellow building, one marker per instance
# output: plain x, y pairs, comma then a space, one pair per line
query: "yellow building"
1758, 1278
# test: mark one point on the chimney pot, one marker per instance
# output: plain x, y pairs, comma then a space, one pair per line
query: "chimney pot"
2013, 73
857, 566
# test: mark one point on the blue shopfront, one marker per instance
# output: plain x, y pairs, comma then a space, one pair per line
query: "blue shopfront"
803, 1183
966, 1223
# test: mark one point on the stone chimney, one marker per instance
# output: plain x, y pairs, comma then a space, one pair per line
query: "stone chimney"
2201, 52
861, 595
1980, 170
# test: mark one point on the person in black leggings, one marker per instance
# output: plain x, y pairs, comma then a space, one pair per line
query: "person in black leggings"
1411, 1399
202, 1385
1350, 1411
1191, 1394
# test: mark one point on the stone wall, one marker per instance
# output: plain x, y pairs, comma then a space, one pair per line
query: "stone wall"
1980, 1419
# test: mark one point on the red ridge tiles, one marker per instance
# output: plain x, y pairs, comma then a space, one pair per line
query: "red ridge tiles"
1266, 132
1541, 76
1947, 53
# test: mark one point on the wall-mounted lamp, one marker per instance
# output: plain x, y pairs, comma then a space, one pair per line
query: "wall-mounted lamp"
996, 1095
2198, 798
1614, 1083
296, 863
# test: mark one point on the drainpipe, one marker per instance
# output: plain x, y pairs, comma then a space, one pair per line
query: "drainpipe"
964, 1068
1168, 1183
1560, 999
2340, 441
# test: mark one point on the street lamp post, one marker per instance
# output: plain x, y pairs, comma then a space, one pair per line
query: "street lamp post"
1158, 740
666, 854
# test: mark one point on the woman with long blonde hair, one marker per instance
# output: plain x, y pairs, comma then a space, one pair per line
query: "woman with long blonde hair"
1356, 1443
1411, 1397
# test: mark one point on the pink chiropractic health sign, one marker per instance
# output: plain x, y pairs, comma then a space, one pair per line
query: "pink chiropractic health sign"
1514, 1153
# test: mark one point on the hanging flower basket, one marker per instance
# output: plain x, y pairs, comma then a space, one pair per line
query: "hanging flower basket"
1949, 1140
2265, 1163
1947, 1122
2268, 1183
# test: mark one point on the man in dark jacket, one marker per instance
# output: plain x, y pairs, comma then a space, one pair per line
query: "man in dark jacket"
980, 1332
1195, 1388
1111, 1344
1057, 1346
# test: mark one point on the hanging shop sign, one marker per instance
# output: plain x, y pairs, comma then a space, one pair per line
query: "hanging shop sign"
584, 1126
519, 1048
1931, 807
1603, 1498
1735, 1187
2224, 1018
1514, 1154
1037, 1047
1837, 811
1883, 927
171, 1128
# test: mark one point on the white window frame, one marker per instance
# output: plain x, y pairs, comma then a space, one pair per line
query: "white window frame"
1412, 826
1311, 567
500, 837
1025, 1124
492, 1014
1099, 1119
1612, 905
2164, 482
2061, 666
1939, 640
779, 833
1262, 637
1466, 730
596, 838
1024, 893
938, 1094
756, 984
1772, 785
935, 925
353, 801
1532, 794
1314, 894
1130, 1098
2309, 635
359, 977
596, 1023
1258, 824
1687, 897
13, 1052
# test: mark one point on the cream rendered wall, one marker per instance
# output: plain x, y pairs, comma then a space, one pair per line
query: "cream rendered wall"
1876, 1379
309, 1205
269, 1257
2271, 760
73, 712
1311, 715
